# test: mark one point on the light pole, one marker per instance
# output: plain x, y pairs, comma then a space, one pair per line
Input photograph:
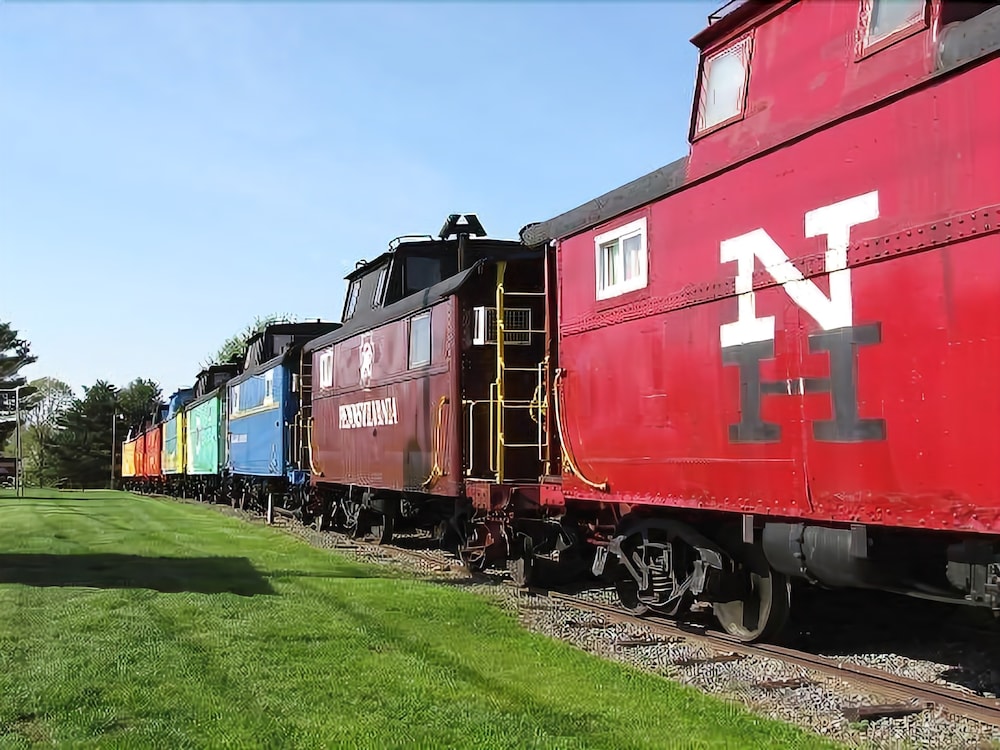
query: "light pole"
114, 423
18, 469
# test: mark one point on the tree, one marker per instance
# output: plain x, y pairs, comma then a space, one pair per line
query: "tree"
15, 353
82, 446
137, 400
43, 408
85, 438
232, 349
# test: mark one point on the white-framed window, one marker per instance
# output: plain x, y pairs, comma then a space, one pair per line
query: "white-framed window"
622, 259
234, 399
352, 299
723, 88
383, 276
420, 340
269, 387
887, 17
326, 369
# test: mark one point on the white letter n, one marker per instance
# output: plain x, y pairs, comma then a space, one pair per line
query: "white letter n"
835, 311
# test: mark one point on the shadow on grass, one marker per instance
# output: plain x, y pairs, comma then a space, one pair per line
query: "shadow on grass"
204, 575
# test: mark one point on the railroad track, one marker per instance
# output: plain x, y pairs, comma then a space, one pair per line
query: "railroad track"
913, 695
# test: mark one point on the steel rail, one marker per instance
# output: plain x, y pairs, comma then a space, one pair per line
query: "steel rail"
921, 695
880, 682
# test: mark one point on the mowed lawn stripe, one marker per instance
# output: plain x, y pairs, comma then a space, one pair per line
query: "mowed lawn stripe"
138, 622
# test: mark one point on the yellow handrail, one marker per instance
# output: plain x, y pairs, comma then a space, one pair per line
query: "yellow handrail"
566, 449
312, 449
436, 471
501, 268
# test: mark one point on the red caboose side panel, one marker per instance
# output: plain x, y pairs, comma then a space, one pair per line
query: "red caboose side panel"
154, 445
140, 455
384, 406
818, 331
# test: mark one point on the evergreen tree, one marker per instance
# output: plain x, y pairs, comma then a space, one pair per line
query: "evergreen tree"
15, 353
136, 401
86, 439
82, 447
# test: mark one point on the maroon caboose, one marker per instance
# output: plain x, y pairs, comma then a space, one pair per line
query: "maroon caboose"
406, 411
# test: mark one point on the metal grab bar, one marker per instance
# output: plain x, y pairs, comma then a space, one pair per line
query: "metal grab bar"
567, 450
436, 471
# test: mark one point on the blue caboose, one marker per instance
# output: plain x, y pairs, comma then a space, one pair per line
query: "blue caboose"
265, 427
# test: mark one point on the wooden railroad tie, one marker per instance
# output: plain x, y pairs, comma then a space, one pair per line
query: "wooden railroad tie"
637, 642
596, 624
795, 682
884, 711
718, 659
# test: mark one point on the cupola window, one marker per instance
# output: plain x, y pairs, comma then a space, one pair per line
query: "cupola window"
724, 85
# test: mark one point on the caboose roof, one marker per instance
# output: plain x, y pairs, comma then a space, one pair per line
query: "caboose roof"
735, 16
648, 188
363, 267
958, 43
417, 245
204, 389
261, 355
400, 309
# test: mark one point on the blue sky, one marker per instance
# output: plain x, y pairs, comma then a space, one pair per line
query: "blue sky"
169, 171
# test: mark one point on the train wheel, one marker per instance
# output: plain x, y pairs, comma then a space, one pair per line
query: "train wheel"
521, 570
481, 547
522, 565
321, 520
656, 569
763, 609
627, 587
350, 511
383, 523
382, 527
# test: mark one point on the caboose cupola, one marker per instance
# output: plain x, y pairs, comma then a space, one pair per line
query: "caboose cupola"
771, 72
414, 263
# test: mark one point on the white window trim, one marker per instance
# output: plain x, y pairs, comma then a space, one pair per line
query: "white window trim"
746, 54
326, 368
383, 281
909, 23
350, 309
430, 343
269, 387
621, 233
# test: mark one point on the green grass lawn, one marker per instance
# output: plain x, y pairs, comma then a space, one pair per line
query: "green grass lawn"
128, 622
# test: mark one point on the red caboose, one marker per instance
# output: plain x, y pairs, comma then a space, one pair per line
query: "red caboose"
152, 449
775, 352
137, 480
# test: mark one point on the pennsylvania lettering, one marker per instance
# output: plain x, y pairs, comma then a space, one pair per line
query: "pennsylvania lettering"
368, 413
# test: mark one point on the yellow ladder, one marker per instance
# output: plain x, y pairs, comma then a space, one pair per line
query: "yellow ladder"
499, 402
